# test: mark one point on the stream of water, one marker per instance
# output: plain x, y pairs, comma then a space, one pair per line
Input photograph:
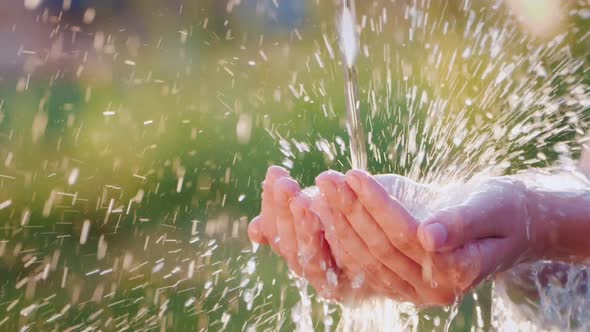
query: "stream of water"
134, 136
349, 45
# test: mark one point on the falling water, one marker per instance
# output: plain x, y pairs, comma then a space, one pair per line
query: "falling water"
349, 45
555, 300
133, 139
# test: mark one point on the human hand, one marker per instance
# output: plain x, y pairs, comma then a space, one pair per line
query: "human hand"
288, 224
491, 231
373, 246
374, 238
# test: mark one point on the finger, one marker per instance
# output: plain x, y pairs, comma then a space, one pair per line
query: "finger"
397, 223
254, 232
320, 207
315, 258
310, 240
476, 261
356, 253
344, 261
285, 189
339, 277
268, 222
371, 233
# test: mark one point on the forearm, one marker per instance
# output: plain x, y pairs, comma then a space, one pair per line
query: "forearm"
564, 219
539, 285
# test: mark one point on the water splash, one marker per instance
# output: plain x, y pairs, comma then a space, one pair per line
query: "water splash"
546, 295
112, 123
378, 315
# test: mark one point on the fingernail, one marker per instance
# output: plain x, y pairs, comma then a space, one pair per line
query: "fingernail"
277, 171
436, 235
354, 182
326, 185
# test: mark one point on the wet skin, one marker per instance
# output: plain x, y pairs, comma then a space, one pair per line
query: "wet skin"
352, 239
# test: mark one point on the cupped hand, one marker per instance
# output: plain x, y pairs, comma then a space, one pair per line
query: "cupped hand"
288, 224
493, 230
355, 240
439, 260
374, 238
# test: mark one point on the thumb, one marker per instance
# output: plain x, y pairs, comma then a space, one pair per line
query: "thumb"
453, 228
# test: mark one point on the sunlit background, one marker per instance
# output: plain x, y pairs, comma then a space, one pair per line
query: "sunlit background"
134, 136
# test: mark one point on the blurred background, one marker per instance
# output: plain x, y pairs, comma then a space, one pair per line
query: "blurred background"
134, 136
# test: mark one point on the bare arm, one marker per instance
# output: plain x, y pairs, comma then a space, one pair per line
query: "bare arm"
565, 217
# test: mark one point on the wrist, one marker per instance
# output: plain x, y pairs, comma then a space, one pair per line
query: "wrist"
540, 230
562, 220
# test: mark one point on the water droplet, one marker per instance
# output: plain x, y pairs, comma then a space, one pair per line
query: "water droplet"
32, 4
89, 15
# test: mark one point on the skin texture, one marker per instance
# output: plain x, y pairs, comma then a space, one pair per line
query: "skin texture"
288, 224
354, 239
